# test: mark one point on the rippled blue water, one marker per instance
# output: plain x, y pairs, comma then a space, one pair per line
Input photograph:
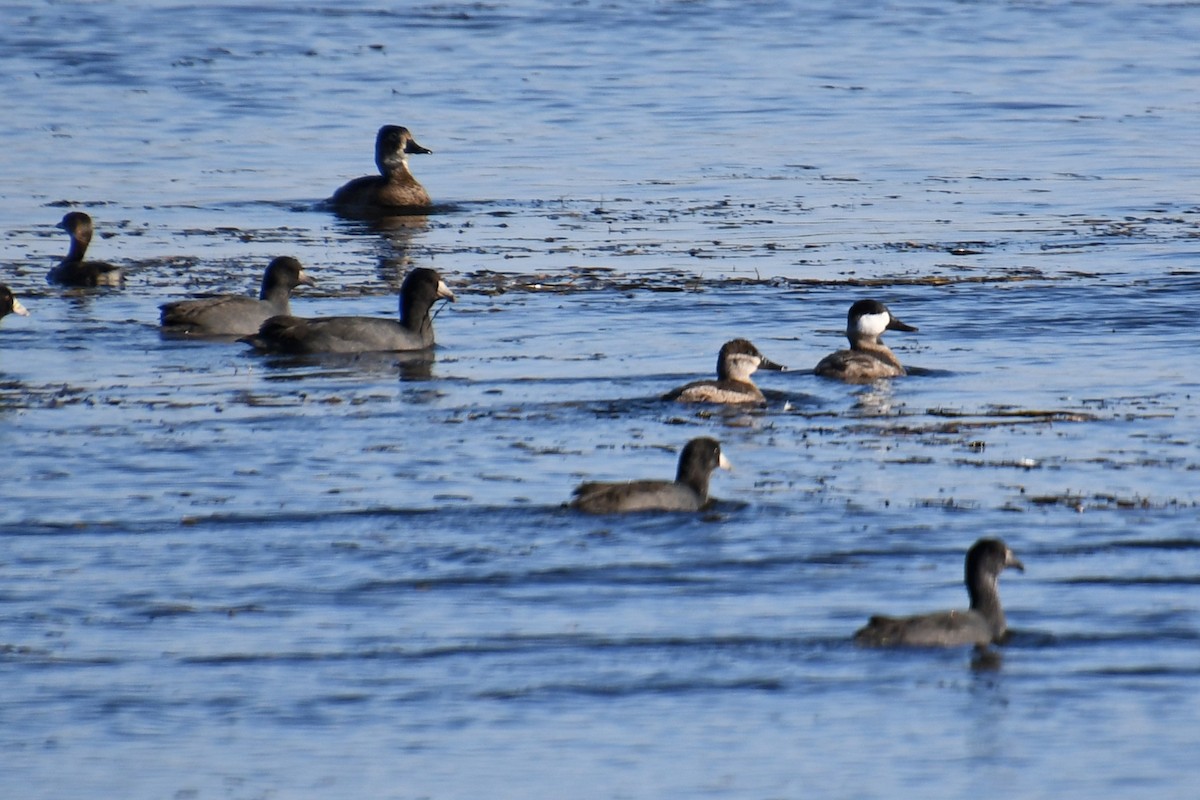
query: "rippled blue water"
229, 576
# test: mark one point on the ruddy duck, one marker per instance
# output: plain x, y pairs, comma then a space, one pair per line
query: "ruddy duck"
688, 492
236, 315
297, 336
868, 358
73, 270
737, 361
9, 304
980, 625
394, 190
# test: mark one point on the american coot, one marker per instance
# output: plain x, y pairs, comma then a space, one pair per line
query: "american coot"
394, 189
982, 624
296, 335
736, 362
9, 304
868, 358
236, 315
73, 270
688, 492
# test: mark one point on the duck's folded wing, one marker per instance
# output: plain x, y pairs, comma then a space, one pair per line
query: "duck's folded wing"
299, 335
222, 314
609, 498
939, 629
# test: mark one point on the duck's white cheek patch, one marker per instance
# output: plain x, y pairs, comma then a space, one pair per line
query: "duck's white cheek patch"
873, 324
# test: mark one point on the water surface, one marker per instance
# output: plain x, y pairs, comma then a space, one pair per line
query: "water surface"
234, 576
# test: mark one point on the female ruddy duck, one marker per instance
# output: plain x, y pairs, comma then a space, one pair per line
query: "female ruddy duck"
73, 270
394, 190
736, 362
237, 315
688, 492
9, 304
868, 358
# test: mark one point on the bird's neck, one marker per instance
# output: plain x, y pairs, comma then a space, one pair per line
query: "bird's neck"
985, 599
79, 246
873, 346
696, 479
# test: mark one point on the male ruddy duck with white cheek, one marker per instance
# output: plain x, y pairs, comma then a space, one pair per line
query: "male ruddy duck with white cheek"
868, 358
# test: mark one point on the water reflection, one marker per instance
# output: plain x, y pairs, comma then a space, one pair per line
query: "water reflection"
399, 227
875, 400
410, 366
986, 659
986, 730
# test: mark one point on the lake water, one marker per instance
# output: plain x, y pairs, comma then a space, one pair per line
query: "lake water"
229, 576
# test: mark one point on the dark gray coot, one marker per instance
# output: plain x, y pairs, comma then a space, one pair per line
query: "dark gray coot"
422, 287
9, 304
238, 315
688, 492
982, 624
